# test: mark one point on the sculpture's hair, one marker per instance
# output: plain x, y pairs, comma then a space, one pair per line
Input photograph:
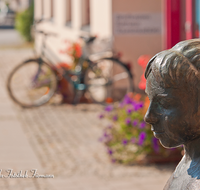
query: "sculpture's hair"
178, 65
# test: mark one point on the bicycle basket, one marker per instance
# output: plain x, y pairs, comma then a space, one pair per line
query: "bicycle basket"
98, 46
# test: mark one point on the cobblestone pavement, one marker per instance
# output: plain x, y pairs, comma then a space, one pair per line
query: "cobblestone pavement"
64, 139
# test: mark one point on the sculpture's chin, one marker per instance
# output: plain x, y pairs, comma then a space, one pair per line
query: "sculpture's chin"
169, 143
166, 141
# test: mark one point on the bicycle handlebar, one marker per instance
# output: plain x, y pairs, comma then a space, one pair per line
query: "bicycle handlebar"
46, 33
37, 21
89, 39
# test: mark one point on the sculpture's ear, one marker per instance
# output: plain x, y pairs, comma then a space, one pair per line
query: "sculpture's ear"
196, 91
148, 67
197, 99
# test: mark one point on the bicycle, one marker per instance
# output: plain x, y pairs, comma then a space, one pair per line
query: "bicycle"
33, 82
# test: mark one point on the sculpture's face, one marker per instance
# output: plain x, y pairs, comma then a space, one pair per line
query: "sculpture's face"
171, 113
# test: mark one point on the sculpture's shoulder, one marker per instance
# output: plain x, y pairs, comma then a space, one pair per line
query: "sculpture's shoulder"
182, 183
194, 184
167, 185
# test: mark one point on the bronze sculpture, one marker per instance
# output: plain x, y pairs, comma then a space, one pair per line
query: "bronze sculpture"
173, 87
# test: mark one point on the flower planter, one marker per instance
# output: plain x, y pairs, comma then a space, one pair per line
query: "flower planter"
129, 140
173, 156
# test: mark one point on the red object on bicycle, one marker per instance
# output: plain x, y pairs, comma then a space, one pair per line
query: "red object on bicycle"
109, 100
142, 61
64, 65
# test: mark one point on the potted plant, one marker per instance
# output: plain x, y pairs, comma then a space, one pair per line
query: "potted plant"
128, 139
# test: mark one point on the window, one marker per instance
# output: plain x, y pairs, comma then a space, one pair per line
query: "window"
85, 14
68, 12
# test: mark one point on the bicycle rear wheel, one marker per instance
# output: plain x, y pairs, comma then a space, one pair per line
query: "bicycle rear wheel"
32, 83
108, 81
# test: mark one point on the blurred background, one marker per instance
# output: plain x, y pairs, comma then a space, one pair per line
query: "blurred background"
81, 145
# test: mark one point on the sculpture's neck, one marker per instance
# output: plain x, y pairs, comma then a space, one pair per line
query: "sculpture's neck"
192, 150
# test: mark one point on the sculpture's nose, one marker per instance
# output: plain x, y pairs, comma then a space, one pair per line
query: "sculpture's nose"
150, 116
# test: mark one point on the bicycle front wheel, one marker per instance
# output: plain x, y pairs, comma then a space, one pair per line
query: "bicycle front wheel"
108, 81
32, 83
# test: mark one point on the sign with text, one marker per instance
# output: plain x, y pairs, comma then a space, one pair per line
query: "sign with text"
137, 23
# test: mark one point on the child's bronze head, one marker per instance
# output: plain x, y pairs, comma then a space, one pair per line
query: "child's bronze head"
173, 81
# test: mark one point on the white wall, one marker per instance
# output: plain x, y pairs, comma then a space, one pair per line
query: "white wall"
37, 9
100, 23
101, 17
132, 46
47, 8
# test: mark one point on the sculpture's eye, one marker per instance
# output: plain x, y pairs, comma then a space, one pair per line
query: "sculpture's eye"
165, 102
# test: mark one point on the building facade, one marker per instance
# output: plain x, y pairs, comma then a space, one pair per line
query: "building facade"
182, 20
137, 27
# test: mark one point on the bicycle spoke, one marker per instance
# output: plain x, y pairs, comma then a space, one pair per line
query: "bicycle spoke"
120, 76
108, 81
31, 84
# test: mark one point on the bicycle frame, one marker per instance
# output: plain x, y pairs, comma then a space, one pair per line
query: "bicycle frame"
76, 77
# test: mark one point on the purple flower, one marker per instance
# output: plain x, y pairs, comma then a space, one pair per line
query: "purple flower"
110, 151
141, 104
124, 141
142, 138
135, 122
127, 100
115, 117
101, 116
133, 104
128, 121
138, 106
142, 125
155, 144
129, 111
109, 108
133, 140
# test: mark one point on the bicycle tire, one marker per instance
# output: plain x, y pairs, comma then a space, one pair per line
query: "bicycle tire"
108, 81
32, 83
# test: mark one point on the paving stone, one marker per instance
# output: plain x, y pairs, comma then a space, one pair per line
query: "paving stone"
64, 140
